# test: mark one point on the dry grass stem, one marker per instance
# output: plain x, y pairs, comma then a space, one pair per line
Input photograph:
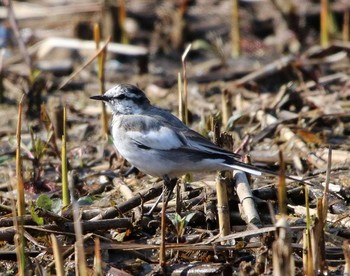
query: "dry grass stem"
180, 97
308, 259
246, 198
184, 76
97, 258
226, 106
346, 250
19, 237
346, 26
81, 266
235, 32
122, 18
282, 252
282, 191
324, 22
162, 255
101, 77
222, 205
64, 160
221, 183
57, 256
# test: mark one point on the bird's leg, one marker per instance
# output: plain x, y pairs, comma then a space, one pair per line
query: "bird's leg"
169, 185
131, 170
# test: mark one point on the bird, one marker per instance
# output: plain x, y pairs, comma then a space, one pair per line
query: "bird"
158, 143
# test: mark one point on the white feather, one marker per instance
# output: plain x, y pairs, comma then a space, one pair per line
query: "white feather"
161, 139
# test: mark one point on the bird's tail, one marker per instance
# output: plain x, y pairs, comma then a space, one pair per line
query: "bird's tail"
258, 171
246, 168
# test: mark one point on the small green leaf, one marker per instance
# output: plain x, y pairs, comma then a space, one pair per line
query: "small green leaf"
175, 218
38, 220
85, 200
44, 202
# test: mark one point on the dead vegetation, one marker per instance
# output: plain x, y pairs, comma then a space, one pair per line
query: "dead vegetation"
278, 85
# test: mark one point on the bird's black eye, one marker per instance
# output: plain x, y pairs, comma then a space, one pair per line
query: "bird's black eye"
121, 97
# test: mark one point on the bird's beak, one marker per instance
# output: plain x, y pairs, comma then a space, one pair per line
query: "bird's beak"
99, 97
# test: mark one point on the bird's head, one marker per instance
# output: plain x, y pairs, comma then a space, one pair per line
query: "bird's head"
124, 99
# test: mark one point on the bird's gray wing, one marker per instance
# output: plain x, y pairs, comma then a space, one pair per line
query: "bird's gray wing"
197, 141
154, 132
149, 133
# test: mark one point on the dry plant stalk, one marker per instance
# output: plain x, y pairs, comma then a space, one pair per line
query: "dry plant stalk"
235, 33
282, 251
222, 205
57, 255
122, 18
282, 193
324, 18
162, 260
65, 188
346, 250
221, 189
245, 195
181, 100
318, 237
80, 260
49, 125
101, 77
19, 237
326, 188
307, 252
19, 176
226, 106
97, 258
346, 25
183, 104
184, 76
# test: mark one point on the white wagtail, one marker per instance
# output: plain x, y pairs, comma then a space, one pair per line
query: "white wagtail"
158, 143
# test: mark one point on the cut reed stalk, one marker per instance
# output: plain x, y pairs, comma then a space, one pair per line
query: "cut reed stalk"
184, 76
308, 265
81, 267
19, 237
122, 19
65, 188
57, 254
181, 100
324, 17
282, 194
235, 33
346, 25
97, 258
221, 188
101, 77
